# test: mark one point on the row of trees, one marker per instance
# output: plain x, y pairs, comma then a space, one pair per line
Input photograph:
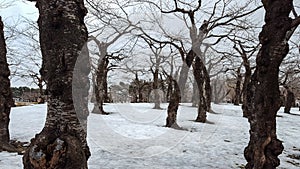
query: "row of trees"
116, 33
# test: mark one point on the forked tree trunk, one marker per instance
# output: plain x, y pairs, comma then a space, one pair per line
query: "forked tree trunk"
263, 99
171, 120
100, 85
6, 100
62, 142
199, 77
184, 72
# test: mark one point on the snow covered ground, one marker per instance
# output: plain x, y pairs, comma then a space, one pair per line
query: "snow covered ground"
133, 136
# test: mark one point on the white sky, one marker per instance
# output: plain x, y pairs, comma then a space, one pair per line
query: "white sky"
12, 15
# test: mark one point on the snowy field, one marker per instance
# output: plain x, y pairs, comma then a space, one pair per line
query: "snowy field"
133, 136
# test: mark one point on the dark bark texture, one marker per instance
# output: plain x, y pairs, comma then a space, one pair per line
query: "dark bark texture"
200, 80
62, 142
101, 86
263, 99
5, 94
173, 104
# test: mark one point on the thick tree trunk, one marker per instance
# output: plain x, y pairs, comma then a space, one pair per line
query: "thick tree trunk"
263, 96
100, 86
62, 142
199, 77
173, 104
289, 101
6, 100
237, 96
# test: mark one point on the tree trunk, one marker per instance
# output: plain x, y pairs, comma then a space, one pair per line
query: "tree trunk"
246, 86
237, 97
263, 97
62, 142
6, 100
207, 88
173, 104
155, 89
184, 72
199, 77
100, 86
289, 101
105, 85
195, 97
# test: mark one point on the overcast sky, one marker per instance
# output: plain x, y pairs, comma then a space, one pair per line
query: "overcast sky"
27, 9
12, 15
19, 9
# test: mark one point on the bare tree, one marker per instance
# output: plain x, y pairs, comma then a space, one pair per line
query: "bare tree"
198, 34
246, 49
263, 95
62, 142
108, 25
156, 63
173, 95
28, 55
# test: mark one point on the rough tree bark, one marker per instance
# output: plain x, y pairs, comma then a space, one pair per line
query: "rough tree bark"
173, 104
6, 100
62, 142
263, 100
199, 77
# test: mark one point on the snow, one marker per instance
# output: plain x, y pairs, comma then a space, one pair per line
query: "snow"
133, 136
